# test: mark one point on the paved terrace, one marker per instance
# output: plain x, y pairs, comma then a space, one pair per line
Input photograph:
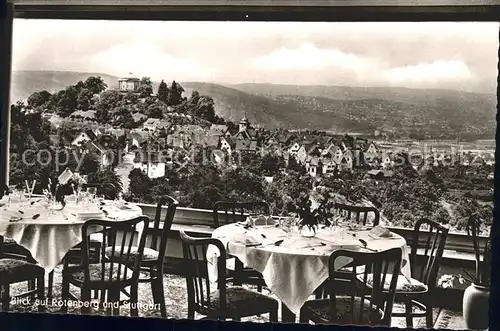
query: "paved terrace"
176, 300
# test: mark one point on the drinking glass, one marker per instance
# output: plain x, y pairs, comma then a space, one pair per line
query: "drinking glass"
92, 192
252, 217
20, 195
287, 224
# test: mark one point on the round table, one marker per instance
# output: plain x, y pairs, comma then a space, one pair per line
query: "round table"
298, 266
52, 234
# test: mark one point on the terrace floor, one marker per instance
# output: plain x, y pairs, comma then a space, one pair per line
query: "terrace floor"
176, 299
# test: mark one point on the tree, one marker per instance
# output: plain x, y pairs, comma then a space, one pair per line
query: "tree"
107, 177
122, 141
271, 164
109, 100
123, 118
145, 87
139, 184
67, 101
163, 92
155, 110
175, 94
84, 99
241, 183
102, 116
95, 84
202, 107
39, 99
89, 164
296, 166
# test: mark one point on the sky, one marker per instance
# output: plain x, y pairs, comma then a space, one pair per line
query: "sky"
451, 55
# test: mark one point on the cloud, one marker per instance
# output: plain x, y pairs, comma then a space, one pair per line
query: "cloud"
431, 73
145, 58
307, 57
413, 54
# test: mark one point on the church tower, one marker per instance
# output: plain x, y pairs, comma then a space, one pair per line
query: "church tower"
244, 123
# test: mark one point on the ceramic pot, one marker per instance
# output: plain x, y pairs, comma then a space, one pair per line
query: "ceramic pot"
476, 307
307, 231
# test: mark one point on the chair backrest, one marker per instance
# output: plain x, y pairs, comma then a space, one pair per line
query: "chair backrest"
161, 229
360, 213
132, 233
225, 212
197, 277
108, 190
375, 296
431, 237
473, 231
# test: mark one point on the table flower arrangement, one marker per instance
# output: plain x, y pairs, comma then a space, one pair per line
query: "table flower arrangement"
311, 218
55, 192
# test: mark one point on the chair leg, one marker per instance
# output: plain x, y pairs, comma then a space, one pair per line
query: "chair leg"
6, 297
238, 268
64, 293
408, 314
429, 318
107, 296
85, 296
134, 293
160, 293
50, 284
303, 318
116, 300
190, 312
273, 315
318, 294
41, 291
31, 285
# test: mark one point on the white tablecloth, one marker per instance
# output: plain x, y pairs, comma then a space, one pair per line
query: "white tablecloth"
296, 268
51, 236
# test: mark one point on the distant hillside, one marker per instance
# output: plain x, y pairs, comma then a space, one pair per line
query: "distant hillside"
351, 109
456, 107
26, 82
422, 97
346, 109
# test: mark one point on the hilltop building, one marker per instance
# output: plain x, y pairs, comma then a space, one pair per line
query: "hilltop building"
129, 83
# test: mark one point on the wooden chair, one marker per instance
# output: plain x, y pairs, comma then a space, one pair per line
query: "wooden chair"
226, 212
233, 302
96, 239
155, 250
360, 306
109, 277
361, 213
473, 232
418, 293
17, 268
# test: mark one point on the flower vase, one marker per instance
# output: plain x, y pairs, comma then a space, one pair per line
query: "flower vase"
476, 307
308, 231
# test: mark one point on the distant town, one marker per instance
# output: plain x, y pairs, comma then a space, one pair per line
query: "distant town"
165, 135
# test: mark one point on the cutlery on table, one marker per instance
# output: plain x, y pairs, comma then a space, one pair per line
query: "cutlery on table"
276, 243
365, 245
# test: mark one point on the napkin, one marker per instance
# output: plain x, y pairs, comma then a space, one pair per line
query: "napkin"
124, 207
380, 232
244, 239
